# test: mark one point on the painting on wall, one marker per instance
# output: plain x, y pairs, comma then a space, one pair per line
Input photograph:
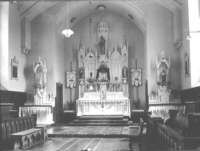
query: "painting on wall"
14, 68
71, 79
187, 64
136, 77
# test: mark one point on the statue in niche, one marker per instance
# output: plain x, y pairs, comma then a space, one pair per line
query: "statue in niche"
102, 45
162, 70
163, 78
124, 72
103, 73
40, 71
81, 73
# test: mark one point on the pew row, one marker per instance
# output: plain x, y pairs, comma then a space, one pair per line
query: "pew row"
152, 130
18, 125
136, 134
179, 132
26, 138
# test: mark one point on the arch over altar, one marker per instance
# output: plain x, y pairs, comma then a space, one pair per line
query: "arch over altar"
103, 77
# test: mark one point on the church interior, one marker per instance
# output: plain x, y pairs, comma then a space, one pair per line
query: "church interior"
91, 75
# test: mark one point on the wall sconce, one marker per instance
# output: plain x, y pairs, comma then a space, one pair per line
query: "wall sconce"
189, 37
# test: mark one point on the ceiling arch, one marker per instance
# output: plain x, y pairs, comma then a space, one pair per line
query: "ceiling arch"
81, 9
131, 9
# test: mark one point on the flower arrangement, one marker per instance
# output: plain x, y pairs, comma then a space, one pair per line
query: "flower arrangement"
70, 105
91, 80
153, 95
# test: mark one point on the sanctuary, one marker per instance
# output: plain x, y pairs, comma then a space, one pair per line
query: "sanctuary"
103, 77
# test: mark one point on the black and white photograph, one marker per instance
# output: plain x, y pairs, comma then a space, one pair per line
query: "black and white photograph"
100, 75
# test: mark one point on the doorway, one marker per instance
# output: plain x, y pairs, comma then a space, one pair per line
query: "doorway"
59, 103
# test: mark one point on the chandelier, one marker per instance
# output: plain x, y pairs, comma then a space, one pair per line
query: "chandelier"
67, 32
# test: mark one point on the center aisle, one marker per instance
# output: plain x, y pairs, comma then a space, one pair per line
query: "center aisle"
78, 144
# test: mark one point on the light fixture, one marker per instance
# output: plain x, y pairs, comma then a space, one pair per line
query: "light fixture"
67, 32
189, 37
90, 22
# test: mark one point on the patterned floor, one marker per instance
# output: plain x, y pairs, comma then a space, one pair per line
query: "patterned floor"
89, 130
80, 144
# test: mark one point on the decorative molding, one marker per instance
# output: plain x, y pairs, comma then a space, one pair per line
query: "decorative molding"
14, 61
25, 51
178, 45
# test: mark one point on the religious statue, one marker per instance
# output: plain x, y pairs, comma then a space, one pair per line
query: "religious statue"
102, 45
81, 73
163, 78
124, 72
103, 74
40, 71
162, 70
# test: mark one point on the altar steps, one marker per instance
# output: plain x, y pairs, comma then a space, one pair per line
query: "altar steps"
101, 121
114, 117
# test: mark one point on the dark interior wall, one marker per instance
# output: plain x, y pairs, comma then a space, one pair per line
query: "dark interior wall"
17, 98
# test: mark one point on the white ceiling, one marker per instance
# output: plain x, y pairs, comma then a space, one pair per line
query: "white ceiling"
81, 9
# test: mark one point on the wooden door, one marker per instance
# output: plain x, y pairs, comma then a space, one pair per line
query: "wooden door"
59, 103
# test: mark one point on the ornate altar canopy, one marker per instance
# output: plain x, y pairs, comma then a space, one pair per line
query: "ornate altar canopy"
103, 77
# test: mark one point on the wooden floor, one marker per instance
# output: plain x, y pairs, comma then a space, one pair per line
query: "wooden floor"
78, 144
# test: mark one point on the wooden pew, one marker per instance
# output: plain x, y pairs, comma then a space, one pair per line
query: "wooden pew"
26, 138
152, 130
14, 125
136, 134
178, 133
44, 131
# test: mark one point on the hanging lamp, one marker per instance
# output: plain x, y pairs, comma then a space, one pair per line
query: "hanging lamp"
67, 32
90, 23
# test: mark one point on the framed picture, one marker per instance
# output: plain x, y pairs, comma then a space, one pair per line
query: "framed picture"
14, 68
71, 79
187, 64
136, 77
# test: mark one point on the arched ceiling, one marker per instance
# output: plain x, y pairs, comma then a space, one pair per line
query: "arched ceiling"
131, 9
81, 9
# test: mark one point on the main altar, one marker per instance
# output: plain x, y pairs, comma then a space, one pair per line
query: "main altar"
103, 77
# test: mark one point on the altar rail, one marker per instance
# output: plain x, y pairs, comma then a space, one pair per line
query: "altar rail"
179, 132
103, 107
162, 110
44, 113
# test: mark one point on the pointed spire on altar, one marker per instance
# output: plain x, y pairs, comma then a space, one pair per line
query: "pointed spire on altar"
80, 45
102, 16
163, 54
125, 41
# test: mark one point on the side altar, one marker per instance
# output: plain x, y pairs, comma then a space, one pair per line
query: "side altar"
41, 102
103, 77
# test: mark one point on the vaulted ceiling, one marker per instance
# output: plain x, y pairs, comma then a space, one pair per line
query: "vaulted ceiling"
131, 9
